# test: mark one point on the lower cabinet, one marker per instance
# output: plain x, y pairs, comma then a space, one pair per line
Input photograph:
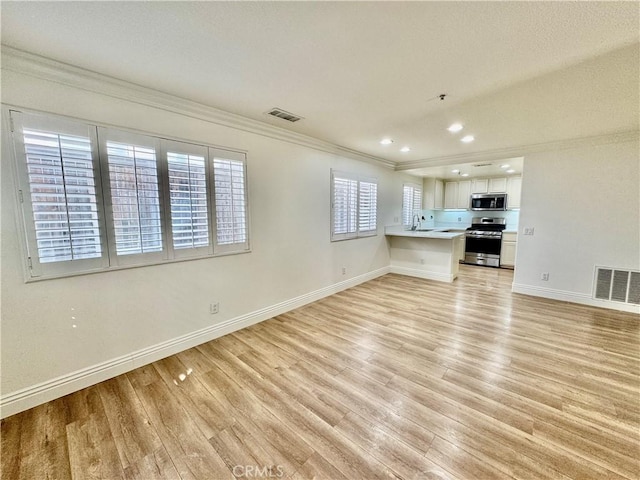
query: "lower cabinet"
508, 249
460, 246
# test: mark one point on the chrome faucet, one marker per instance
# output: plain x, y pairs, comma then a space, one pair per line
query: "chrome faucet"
415, 224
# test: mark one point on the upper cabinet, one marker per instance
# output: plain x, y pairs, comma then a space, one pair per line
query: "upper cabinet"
439, 195
451, 195
514, 189
456, 194
498, 185
464, 194
480, 185
433, 194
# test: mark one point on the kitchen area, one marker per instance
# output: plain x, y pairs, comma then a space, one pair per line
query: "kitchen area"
469, 214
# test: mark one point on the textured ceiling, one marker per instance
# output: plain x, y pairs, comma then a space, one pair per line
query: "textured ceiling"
516, 73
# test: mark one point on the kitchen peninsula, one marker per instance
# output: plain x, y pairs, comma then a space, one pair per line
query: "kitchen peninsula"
431, 253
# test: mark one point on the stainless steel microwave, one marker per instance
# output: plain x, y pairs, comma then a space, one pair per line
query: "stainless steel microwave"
488, 201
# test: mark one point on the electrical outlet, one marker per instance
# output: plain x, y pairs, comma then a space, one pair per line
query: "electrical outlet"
214, 308
396, 219
459, 219
528, 230
344, 270
545, 276
422, 261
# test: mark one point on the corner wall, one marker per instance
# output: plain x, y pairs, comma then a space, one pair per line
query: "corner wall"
130, 317
584, 206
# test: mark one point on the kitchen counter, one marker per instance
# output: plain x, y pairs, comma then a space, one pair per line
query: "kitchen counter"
429, 253
435, 232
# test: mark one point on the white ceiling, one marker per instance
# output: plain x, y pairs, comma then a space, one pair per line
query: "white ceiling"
516, 73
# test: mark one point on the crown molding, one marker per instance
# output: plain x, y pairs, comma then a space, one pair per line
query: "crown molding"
510, 152
33, 65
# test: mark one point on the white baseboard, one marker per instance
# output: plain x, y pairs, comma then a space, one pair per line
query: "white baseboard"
573, 297
29, 397
415, 272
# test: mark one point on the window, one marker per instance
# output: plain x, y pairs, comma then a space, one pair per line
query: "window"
367, 208
189, 221
188, 199
411, 202
133, 191
230, 199
354, 206
100, 198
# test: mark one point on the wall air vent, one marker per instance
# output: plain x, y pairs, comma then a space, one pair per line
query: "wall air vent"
617, 285
284, 115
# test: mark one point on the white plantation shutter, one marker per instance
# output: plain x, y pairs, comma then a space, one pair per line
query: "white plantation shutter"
135, 195
353, 206
345, 207
230, 200
367, 208
57, 175
189, 201
94, 198
411, 202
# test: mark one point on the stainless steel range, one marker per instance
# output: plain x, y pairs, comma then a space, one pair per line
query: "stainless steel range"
483, 241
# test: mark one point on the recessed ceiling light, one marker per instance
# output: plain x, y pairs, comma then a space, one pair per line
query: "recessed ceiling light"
386, 141
511, 170
405, 149
455, 171
505, 166
464, 174
467, 139
455, 127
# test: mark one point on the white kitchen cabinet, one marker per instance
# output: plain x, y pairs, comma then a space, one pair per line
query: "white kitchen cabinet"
451, 195
439, 195
464, 193
514, 189
508, 249
480, 185
433, 194
456, 195
460, 247
498, 185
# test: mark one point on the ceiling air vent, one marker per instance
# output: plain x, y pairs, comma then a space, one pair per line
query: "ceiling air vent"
284, 115
483, 164
617, 285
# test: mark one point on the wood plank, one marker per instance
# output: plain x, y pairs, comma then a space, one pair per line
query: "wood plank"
10, 444
92, 450
157, 465
43, 449
133, 434
191, 453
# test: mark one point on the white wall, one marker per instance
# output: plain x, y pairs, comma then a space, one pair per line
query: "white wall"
584, 204
120, 312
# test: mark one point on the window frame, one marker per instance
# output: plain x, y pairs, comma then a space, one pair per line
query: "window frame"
36, 268
99, 135
167, 146
130, 138
414, 187
235, 156
357, 233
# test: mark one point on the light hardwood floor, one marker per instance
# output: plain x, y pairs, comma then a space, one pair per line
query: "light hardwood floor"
396, 378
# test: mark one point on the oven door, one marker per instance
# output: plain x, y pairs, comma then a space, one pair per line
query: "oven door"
483, 244
482, 250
